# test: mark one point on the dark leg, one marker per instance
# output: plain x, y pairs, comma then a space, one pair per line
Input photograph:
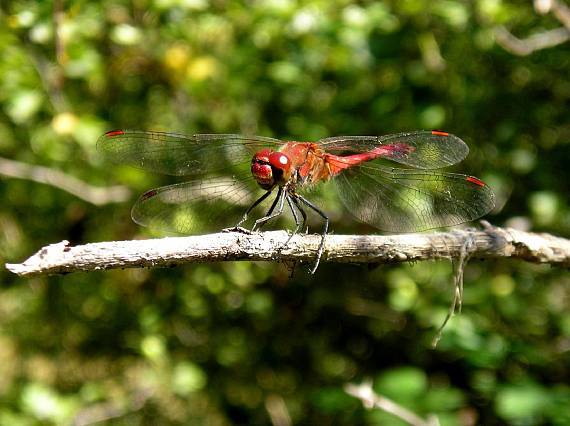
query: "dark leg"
254, 205
272, 206
303, 213
293, 203
323, 234
281, 199
295, 215
298, 224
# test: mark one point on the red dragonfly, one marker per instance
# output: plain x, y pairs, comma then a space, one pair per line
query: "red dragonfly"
228, 170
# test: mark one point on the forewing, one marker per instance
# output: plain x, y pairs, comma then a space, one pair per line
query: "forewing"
197, 206
421, 150
406, 200
169, 153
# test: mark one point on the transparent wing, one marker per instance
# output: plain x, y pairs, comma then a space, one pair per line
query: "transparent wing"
197, 206
421, 150
406, 200
180, 155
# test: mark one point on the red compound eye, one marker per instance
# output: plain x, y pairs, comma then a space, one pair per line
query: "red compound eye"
279, 160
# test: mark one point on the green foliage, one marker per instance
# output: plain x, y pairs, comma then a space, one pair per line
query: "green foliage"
238, 343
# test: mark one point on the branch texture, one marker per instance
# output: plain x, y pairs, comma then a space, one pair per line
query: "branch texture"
228, 246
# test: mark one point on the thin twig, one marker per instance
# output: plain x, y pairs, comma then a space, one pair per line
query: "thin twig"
562, 13
277, 410
543, 40
524, 47
59, 40
229, 246
370, 400
458, 270
65, 182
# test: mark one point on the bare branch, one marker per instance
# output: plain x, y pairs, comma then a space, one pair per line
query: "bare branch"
277, 410
370, 400
65, 182
562, 13
542, 7
228, 246
59, 40
523, 47
543, 40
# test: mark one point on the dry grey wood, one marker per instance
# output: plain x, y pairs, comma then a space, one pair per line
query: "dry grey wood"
490, 242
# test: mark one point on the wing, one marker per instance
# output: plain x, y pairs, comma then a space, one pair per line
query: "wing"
406, 200
174, 154
197, 206
421, 150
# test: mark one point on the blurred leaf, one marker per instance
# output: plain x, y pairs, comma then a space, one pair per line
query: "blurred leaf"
24, 104
333, 400
402, 384
443, 399
126, 34
187, 378
544, 206
524, 402
153, 347
45, 404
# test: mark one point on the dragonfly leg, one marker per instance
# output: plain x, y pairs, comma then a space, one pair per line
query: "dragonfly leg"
273, 204
295, 209
298, 224
303, 213
281, 200
254, 205
294, 206
323, 234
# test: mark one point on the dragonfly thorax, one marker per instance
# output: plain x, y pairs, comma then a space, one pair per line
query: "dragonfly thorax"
270, 168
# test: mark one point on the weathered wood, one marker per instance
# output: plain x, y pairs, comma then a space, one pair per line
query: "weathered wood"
229, 246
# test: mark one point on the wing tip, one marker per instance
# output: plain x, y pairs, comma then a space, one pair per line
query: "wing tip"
113, 133
476, 181
148, 194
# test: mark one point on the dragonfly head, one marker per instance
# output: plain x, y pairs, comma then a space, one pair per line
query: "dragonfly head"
270, 168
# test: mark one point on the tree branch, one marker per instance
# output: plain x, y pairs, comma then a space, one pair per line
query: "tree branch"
539, 41
370, 400
561, 12
228, 246
65, 182
524, 47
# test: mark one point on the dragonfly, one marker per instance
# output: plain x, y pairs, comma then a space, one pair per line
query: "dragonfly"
230, 175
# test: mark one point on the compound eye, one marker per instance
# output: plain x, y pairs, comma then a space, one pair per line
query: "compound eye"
279, 160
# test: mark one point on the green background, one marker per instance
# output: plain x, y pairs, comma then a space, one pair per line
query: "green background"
237, 343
